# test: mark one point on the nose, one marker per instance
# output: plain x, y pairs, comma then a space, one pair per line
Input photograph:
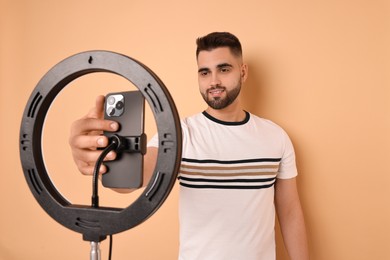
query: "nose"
215, 81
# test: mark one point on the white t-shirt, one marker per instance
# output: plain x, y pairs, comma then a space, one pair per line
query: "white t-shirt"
227, 177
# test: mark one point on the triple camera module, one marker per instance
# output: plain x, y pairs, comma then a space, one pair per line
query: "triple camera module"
115, 105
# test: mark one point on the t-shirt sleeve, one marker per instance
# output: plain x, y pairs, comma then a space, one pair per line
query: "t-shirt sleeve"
288, 168
154, 141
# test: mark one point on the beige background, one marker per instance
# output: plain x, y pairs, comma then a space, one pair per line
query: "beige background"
320, 69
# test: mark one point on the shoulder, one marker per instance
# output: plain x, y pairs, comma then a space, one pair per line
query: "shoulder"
192, 120
270, 130
265, 123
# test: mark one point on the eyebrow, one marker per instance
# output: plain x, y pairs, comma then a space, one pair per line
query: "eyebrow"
222, 65
203, 70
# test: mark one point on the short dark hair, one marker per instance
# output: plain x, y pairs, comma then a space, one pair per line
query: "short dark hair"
219, 39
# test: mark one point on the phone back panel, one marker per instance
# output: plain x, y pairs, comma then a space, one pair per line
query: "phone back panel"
126, 108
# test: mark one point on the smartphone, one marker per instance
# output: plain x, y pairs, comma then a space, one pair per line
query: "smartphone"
126, 108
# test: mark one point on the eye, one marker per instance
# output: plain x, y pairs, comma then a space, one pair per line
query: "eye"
225, 69
203, 73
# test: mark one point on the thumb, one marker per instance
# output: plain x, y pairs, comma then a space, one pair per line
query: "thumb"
97, 111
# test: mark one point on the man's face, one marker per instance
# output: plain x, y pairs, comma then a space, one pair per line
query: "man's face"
220, 75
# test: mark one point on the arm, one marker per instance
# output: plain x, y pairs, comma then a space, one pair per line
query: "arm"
86, 137
291, 220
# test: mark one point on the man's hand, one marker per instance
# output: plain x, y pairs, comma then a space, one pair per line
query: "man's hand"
86, 136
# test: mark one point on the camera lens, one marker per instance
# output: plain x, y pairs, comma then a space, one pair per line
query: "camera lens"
111, 100
111, 111
119, 105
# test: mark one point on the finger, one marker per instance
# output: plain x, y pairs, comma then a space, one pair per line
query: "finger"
97, 111
88, 141
88, 125
87, 169
99, 104
90, 157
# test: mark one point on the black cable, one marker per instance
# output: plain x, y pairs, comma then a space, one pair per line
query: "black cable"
118, 144
111, 147
95, 196
110, 248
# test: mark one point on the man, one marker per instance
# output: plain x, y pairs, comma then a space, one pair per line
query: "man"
236, 167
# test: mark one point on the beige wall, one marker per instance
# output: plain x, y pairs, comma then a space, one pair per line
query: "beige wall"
320, 69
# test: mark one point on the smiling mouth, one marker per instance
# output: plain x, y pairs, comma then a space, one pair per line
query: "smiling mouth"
216, 91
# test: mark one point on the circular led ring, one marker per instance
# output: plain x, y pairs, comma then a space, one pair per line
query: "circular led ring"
96, 223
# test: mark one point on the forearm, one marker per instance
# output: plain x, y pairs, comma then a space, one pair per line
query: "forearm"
291, 219
293, 230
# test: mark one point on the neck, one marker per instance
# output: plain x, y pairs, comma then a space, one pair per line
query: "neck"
233, 113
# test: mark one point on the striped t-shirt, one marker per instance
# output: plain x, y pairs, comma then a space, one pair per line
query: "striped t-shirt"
227, 178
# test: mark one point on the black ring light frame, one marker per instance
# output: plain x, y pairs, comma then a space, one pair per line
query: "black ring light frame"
96, 223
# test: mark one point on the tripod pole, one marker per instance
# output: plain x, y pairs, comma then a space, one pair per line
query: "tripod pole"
95, 251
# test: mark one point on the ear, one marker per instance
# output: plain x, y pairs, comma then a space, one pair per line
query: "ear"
244, 72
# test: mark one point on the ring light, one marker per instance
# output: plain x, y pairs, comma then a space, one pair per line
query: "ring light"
96, 223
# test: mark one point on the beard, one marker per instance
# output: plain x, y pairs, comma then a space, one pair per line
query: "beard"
220, 103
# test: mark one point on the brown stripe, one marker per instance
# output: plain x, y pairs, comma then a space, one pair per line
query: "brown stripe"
276, 166
229, 174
